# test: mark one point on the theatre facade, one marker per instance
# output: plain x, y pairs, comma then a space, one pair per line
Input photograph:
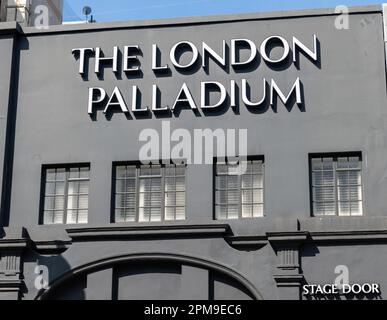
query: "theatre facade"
227, 157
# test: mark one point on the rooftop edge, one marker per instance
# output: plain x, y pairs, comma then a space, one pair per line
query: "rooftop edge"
13, 27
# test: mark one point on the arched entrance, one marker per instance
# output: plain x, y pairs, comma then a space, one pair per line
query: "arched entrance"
151, 276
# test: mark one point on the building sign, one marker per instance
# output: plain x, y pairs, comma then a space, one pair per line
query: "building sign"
129, 59
340, 289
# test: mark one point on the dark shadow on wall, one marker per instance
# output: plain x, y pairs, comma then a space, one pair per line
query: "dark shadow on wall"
20, 43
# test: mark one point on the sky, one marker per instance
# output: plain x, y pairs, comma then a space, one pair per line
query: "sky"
121, 10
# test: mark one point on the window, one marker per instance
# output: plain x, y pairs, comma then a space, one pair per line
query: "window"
145, 193
239, 195
66, 195
337, 185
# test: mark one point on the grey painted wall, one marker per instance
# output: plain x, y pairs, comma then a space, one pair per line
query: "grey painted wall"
345, 110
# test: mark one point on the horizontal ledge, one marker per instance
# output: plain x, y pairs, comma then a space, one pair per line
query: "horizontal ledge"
363, 235
156, 231
286, 237
13, 243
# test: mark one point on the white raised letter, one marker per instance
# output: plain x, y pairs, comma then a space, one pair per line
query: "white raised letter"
102, 96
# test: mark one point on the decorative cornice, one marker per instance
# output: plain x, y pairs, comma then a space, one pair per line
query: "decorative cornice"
11, 285
294, 237
291, 280
156, 231
345, 236
247, 243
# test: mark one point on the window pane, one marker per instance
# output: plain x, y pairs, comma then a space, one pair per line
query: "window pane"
84, 173
347, 186
258, 196
49, 203
84, 187
156, 199
60, 188
221, 182
257, 167
120, 185
82, 216
145, 185
144, 199
72, 202
180, 213
83, 202
343, 193
318, 208
180, 170
247, 211
170, 171
62, 196
247, 196
152, 192
120, 215
355, 193
120, 200
318, 179
50, 174
48, 217
258, 210
221, 169
324, 194
356, 208
120, 172
130, 200
155, 214
232, 182
180, 199
221, 197
59, 203
354, 177
343, 178
170, 199
180, 184
258, 181
72, 216
156, 184
239, 192
233, 196
60, 174
327, 164
74, 173
58, 217
342, 163
247, 181
73, 187
232, 212
330, 208
344, 209
169, 184
144, 214
50, 188
354, 163
221, 212
169, 213
317, 164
